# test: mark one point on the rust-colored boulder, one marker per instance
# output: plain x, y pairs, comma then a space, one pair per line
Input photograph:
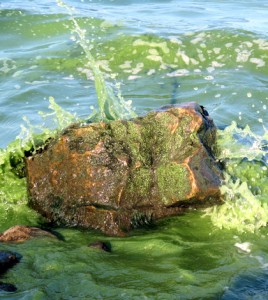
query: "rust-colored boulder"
114, 176
21, 233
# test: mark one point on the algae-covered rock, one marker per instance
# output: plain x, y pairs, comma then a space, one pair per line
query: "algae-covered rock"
118, 175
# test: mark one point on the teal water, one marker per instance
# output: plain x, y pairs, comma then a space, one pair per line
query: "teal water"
161, 52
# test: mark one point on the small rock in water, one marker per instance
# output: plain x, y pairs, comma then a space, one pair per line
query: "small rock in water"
105, 246
7, 287
21, 233
8, 259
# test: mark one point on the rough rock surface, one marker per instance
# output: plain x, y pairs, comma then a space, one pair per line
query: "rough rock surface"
115, 176
21, 233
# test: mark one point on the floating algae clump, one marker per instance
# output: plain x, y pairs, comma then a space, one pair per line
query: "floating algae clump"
13, 190
245, 188
13, 187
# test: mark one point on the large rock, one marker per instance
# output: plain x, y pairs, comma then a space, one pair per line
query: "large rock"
114, 176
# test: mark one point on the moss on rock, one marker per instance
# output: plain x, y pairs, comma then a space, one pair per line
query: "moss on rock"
110, 175
174, 182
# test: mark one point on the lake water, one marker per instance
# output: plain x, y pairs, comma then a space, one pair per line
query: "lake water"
161, 52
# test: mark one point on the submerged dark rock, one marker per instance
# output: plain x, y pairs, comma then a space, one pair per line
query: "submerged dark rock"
113, 176
104, 246
20, 233
7, 260
7, 287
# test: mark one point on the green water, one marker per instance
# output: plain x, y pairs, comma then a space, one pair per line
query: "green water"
155, 53
168, 262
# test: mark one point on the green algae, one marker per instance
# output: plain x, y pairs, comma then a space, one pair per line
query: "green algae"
173, 179
13, 188
142, 54
140, 183
244, 189
119, 130
151, 146
129, 136
62, 118
111, 105
157, 138
242, 210
255, 173
135, 142
186, 256
245, 183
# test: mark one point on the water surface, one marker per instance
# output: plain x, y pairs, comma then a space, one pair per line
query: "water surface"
211, 52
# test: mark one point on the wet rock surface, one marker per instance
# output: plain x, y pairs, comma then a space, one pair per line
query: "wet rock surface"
21, 233
7, 260
119, 175
7, 287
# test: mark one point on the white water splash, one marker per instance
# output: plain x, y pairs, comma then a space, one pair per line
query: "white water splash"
111, 106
